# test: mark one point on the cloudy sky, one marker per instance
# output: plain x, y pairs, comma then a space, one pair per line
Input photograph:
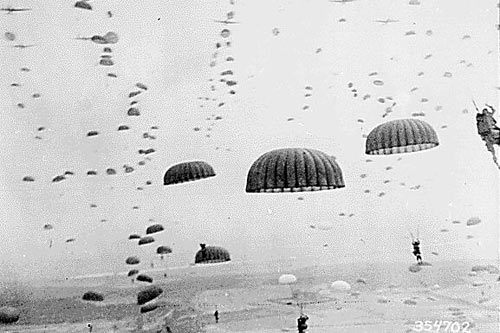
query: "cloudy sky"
446, 49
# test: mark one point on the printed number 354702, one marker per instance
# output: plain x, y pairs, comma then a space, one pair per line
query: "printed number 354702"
442, 326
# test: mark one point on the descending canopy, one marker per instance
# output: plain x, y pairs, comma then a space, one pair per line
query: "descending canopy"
83, 4
111, 37
401, 136
188, 171
28, 179
294, 170
287, 279
341, 286
473, 221
148, 294
133, 272
149, 307
144, 278
132, 261
211, 254
123, 128
163, 250
48, 226
146, 240
93, 296
154, 229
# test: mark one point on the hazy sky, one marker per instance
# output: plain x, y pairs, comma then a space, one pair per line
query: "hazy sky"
169, 45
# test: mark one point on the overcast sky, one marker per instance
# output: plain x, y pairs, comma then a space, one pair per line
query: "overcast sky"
169, 45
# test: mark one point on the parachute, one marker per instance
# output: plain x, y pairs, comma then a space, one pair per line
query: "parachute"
134, 236
91, 173
211, 254
141, 86
57, 179
10, 36
149, 307
341, 286
294, 170
188, 171
287, 279
83, 5
111, 37
401, 136
92, 133
133, 112
106, 62
48, 226
154, 229
148, 294
107, 50
93, 296
146, 240
473, 221
132, 261
225, 33
123, 128
28, 179
9, 315
144, 278
134, 93
111, 171
163, 250
133, 272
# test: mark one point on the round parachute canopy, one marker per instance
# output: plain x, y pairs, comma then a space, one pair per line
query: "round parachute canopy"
154, 229
10, 36
211, 254
111, 171
341, 286
144, 278
106, 62
149, 307
141, 86
28, 179
146, 240
92, 133
133, 272
111, 37
225, 33
91, 173
163, 250
401, 136
107, 50
148, 294
473, 221
132, 261
287, 279
123, 128
48, 227
188, 171
133, 112
93, 296
9, 315
83, 5
294, 170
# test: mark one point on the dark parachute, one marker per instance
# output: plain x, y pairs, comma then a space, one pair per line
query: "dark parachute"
144, 278
401, 136
107, 50
106, 62
146, 240
123, 128
91, 173
149, 307
133, 272
211, 254
28, 179
9, 315
132, 261
154, 228
188, 171
163, 250
83, 5
92, 133
133, 112
93, 296
48, 226
294, 170
111, 171
148, 294
141, 86
134, 93
57, 179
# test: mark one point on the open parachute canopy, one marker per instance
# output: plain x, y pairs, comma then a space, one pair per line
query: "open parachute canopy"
211, 254
287, 279
163, 250
401, 136
133, 272
148, 294
188, 171
154, 229
294, 170
83, 5
144, 278
134, 236
146, 240
132, 261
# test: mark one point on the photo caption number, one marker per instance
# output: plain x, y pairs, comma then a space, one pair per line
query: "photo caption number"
441, 326
455, 327
466, 327
437, 325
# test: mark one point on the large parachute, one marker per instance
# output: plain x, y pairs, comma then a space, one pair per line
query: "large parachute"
132, 261
211, 254
154, 229
188, 171
401, 136
163, 249
294, 170
146, 240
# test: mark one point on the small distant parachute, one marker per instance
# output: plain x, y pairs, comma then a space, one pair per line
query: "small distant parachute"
146, 240
111, 37
106, 62
141, 86
48, 226
144, 278
92, 133
112, 75
447, 74
287, 279
276, 31
91, 173
378, 82
93, 296
415, 268
456, 222
69, 240
132, 261
133, 112
228, 72
410, 33
107, 50
294, 170
473, 221
57, 179
341, 286
134, 93
83, 5
211, 254
134, 236
148, 294
225, 33
149, 307
123, 128
188, 171
36, 95
133, 272
401, 136
28, 179
10, 36
162, 250
110, 171
154, 229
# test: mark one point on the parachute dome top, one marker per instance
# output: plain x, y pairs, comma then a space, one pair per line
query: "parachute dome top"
163, 249
146, 240
211, 254
294, 170
188, 171
154, 229
401, 136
